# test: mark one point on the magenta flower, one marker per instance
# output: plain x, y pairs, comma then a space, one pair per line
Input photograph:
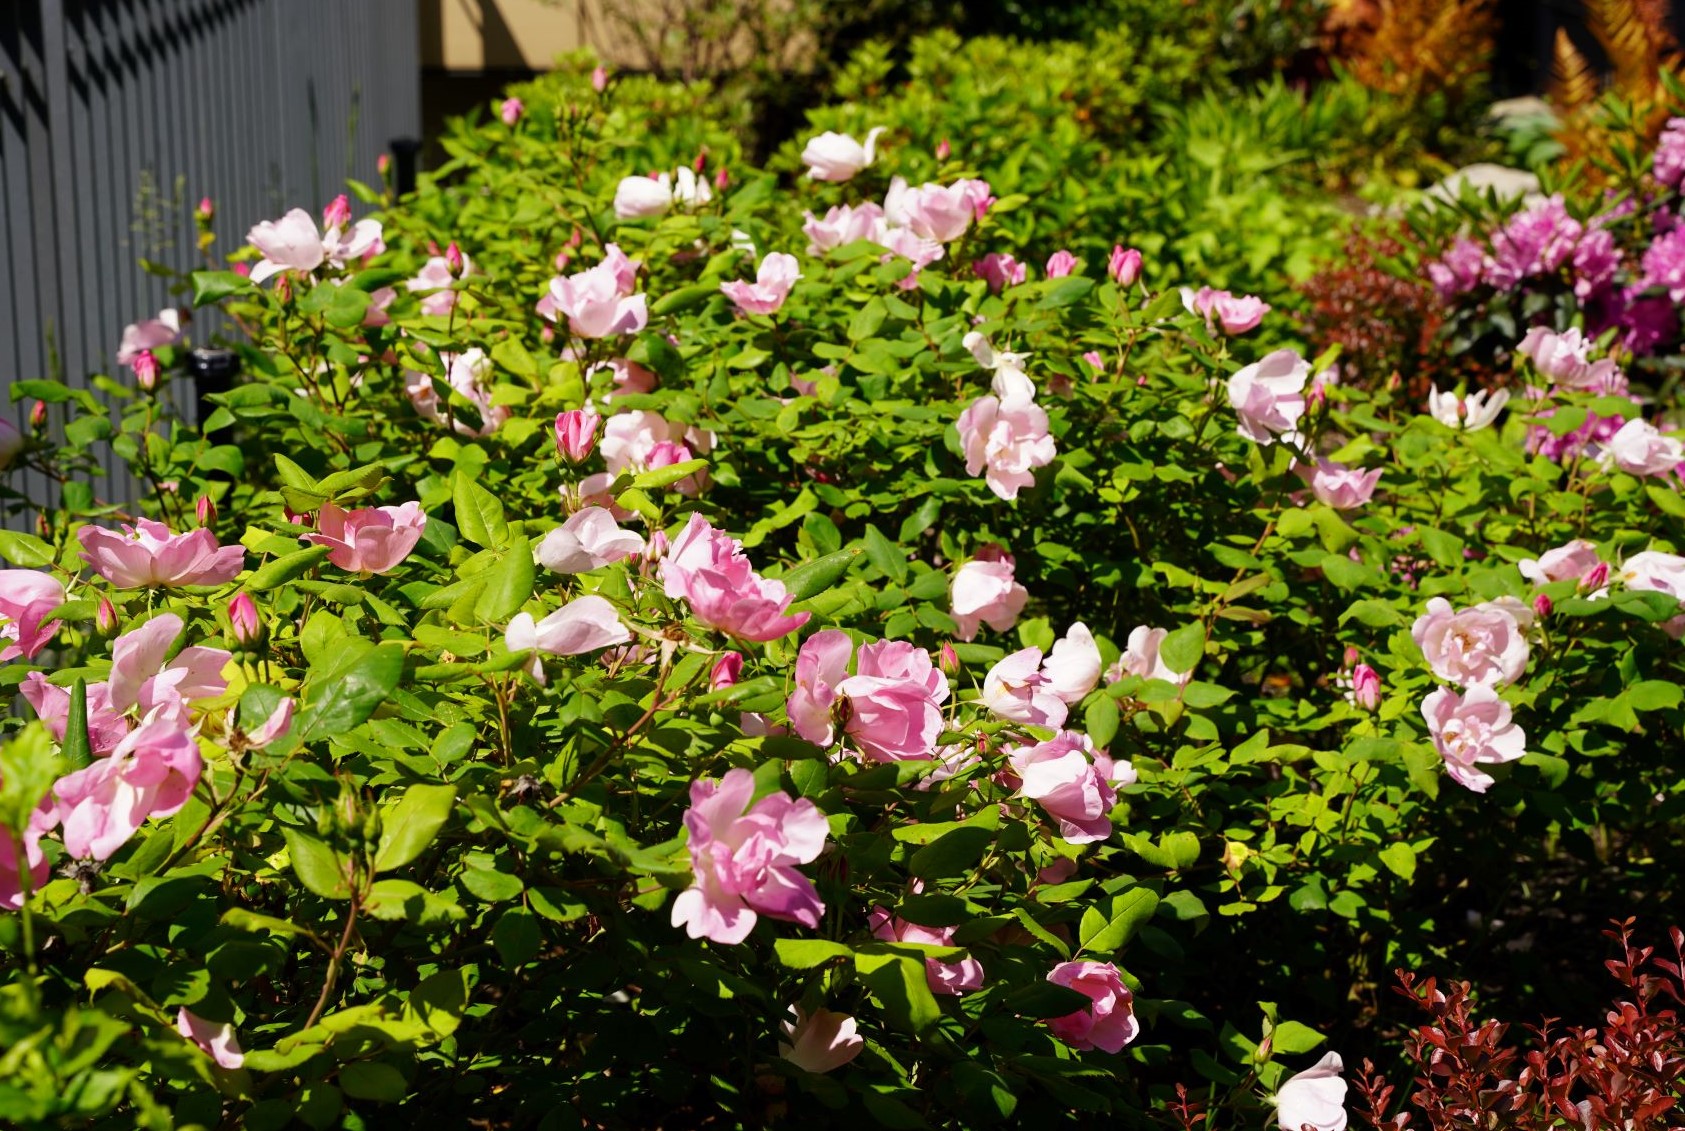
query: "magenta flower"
1000, 270
984, 592
1060, 264
1668, 164
1470, 729
1482, 644
708, 569
588, 540
598, 302
1343, 488
820, 1041
217, 1039
841, 226
1268, 397
778, 272
1074, 783
151, 773
743, 858
1124, 265
106, 725
148, 555
372, 540
890, 709
1314, 1098
837, 157
26, 597
1109, 1022
279, 722
1016, 689
510, 110
243, 621
1535, 241
1365, 688
469, 374
727, 670
34, 861
1570, 562
140, 674
1005, 442
953, 978
576, 433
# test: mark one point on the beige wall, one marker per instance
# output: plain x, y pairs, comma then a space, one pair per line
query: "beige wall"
489, 35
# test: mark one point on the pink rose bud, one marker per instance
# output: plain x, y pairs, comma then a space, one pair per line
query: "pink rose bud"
1596, 577
948, 660
577, 238
576, 433
1366, 687
243, 618
1060, 264
701, 161
205, 510
656, 549
943, 149
510, 111
1351, 657
297, 518
721, 178
337, 214
243, 269
1542, 605
1094, 359
383, 164
599, 79
38, 416
206, 210
453, 258
1125, 265
727, 670
105, 619
146, 370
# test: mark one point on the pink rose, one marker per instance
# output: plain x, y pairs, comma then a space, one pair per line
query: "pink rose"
1470, 729
1485, 643
148, 555
276, 726
1639, 449
984, 592
778, 272
1004, 443
1124, 265
999, 270
1140, 657
41, 820
727, 670
510, 110
708, 569
1016, 689
588, 540
1268, 397
292, 243
1315, 1098
837, 157
469, 375
437, 276
599, 302
217, 1039
841, 226
944, 977
141, 676
106, 725
1109, 1022
890, 709
1365, 688
1563, 359
584, 624
148, 335
372, 540
1343, 488
743, 858
1655, 571
1073, 666
1060, 264
1236, 314
26, 597
820, 1041
1570, 562
1073, 782
940, 213
151, 773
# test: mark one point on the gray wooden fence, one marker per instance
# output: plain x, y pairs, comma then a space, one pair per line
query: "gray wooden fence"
117, 116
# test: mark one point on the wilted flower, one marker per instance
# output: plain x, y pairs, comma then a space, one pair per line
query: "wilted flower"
943, 977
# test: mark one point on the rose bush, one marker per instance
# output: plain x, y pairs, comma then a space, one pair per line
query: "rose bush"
682, 681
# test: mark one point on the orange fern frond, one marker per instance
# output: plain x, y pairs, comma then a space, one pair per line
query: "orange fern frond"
1573, 84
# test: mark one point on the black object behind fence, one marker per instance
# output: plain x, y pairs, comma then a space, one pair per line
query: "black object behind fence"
117, 116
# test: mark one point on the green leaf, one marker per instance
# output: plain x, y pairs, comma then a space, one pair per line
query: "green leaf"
1400, 860
951, 854
900, 985
214, 286
815, 577
410, 826
667, 476
75, 748
1292, 1038
479, 516
1183, 648
517, 937
318, 866
371, 1080
884, 554
1100, 719
868, 320
287, 567
342, 697
1105, 932
439, 1001
25, 550
805, 954
676, 302
508, 583
28, 768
